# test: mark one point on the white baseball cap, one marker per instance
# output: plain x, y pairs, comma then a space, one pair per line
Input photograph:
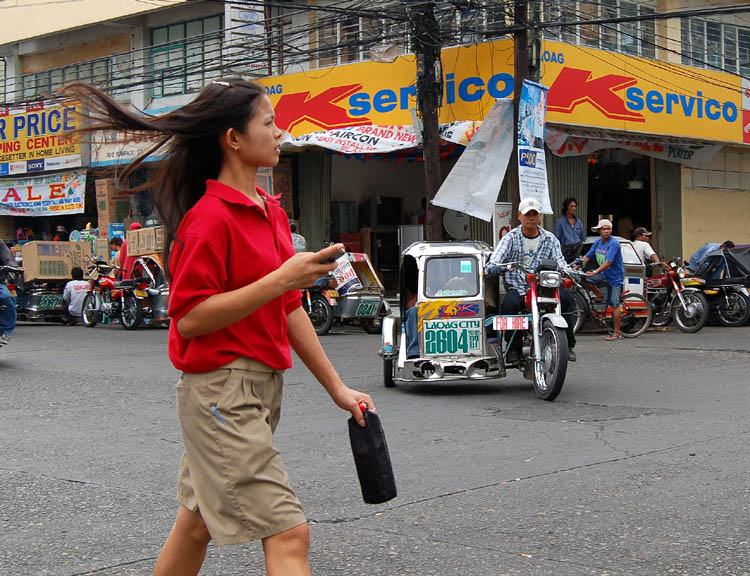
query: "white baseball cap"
528, 205
602, 223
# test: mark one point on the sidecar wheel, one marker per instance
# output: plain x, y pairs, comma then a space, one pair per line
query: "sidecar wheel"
549, 374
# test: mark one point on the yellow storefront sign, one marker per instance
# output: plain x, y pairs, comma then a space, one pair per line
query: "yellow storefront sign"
39, 132
607, 90
590, 88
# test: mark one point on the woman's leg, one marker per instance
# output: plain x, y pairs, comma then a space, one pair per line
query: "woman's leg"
286, 552
185, 548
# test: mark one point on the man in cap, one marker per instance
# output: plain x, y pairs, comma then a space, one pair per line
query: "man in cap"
528, 244
610, 269
642, 246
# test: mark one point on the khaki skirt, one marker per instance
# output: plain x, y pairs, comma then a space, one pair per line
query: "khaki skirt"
230, 471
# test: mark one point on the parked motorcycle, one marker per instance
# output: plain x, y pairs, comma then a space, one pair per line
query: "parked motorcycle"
728, 303
104, 298
671, 299
145, 297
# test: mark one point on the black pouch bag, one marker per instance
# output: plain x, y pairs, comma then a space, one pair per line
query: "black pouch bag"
372, 459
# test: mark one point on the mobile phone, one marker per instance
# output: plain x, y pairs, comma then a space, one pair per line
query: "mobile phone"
331, 259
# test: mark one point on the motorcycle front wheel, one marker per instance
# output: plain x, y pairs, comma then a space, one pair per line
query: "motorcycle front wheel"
132, 313
635, 315
733, 309
321, 314
696, 315
90, 316
552, 363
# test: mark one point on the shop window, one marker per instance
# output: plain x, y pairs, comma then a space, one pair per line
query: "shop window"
185, 56
711, 44
112, 74
730, 171
339, 39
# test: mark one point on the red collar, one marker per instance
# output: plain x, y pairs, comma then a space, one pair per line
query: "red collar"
234, 196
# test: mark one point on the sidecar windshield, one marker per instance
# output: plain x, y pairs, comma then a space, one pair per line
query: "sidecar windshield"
451, 276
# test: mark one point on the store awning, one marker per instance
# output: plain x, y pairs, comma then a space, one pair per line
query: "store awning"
579, 141
373, 139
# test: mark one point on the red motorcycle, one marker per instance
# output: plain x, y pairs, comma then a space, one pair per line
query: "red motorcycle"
104, 298
670, 299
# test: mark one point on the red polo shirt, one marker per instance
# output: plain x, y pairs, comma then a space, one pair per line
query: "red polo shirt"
226, 242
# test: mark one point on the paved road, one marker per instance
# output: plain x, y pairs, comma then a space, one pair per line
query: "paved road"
639, 467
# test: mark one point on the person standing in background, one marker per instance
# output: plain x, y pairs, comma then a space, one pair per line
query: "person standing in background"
645, 252
61, 234
569, 230
298, 240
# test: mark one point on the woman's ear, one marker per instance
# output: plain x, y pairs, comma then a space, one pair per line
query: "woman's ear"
230, 140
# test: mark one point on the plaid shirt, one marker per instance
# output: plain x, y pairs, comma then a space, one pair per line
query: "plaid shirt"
510, 249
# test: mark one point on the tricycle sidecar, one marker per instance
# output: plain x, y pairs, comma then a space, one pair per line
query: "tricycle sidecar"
441, 335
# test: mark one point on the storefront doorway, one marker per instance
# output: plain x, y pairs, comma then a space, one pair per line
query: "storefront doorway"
620, 189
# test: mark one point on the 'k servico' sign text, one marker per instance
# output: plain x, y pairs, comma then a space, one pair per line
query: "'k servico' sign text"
591, 88
39, 137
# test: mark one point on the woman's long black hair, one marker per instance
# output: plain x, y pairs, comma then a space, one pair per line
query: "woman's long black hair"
566, 203
191, 137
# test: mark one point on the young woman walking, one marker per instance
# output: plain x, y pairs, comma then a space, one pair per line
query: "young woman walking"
235, 310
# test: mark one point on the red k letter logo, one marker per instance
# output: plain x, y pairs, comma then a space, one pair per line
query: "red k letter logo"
573, 87
320, 110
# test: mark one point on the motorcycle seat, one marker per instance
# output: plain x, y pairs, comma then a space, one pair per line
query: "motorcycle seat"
125, 284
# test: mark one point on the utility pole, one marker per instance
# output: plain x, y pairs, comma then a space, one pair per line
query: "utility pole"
520, 72
426, 36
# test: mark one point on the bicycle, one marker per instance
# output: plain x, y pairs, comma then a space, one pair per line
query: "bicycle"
636, 310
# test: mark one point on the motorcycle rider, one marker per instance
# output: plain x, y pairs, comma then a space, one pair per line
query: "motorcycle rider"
7, 302
528, 244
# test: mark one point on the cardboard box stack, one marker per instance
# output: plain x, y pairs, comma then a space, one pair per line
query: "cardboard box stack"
145, 241
112, 204
53, 260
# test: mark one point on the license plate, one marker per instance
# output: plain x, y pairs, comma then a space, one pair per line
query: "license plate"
510, 323
48, 302
452, 336
141, 293
367, 308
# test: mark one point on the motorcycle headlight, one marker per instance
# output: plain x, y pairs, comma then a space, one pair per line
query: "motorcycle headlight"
550, 279
681, 272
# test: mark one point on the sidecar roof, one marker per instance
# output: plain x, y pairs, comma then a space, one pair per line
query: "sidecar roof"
419, 249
